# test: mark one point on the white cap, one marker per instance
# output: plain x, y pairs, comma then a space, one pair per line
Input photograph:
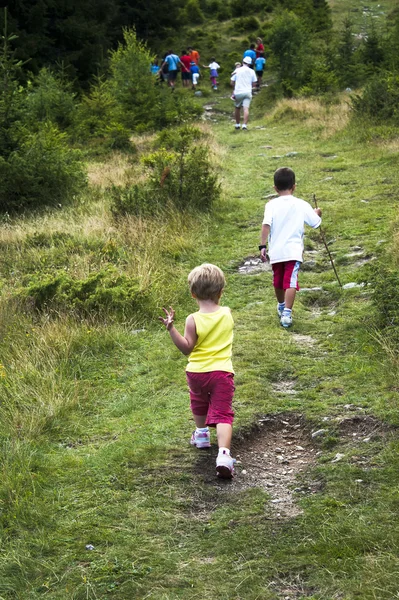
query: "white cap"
247, 60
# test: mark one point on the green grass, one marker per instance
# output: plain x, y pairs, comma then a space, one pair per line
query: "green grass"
95, 419
362, 14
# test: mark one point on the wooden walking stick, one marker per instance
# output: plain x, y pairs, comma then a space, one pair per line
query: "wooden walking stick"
326, 246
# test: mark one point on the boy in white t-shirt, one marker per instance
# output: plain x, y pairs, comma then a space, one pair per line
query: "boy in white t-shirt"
283, 227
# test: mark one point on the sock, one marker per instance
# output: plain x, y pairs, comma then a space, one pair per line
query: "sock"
287, 312
202, 429
224, 451
281, 305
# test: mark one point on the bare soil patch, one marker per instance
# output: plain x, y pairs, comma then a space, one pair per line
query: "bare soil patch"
278, 453
270, 457
253, 264
305, 341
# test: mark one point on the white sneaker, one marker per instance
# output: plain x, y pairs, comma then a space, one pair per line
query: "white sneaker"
244, 127
201, 439
286, 320
280, 311
237, 126
225, 466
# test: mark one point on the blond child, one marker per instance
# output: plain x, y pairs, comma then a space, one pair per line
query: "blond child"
207, 341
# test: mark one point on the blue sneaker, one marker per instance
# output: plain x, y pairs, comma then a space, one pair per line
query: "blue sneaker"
286, 321
201, 439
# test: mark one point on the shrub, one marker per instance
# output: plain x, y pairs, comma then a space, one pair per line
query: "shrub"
180, 175
98, 121
385, 298
95, 111
246, 24
133, 200
42, 171
385, 283
348, 68
177, 108
321, 79
105, 294
192, 12
289, 44
132, 83
49, 98
244, 7
380, 99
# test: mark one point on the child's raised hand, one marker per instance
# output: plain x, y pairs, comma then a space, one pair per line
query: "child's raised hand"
170, 316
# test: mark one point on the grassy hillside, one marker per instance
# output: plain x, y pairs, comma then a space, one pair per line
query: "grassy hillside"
361, 13
101, 494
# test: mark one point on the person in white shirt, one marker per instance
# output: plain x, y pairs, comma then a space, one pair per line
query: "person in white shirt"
243, 80
213, 72
283, 228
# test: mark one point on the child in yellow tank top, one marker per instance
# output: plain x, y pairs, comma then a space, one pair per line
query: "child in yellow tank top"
207, 341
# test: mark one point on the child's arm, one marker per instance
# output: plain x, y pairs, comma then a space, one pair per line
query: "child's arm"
263, 241
184, 343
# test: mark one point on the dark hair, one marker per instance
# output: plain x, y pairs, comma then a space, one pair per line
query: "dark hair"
213, 59
284, 179
252, 46
190, 48
170, 51
183, 52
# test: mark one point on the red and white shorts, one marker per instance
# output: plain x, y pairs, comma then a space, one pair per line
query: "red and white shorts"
211, 394
285, 274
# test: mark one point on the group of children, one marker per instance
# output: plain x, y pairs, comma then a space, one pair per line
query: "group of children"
208, 333
189, 64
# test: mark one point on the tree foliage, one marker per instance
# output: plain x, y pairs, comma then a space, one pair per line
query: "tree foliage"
289, 42
79, 33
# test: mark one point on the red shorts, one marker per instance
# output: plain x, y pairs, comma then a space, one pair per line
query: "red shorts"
211, 394
285, 274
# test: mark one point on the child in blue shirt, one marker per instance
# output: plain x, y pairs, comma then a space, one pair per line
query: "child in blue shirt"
155, 67
195, 73
259, 67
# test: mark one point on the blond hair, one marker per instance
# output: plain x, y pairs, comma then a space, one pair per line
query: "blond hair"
206, 282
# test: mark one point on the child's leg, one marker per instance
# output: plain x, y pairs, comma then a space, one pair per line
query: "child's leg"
278, 283
224, 433
290, 282
280, 295
290, 285
200, 420
199, 402
221, 413
289, 297
237, 115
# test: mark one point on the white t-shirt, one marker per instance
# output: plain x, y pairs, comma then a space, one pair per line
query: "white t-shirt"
287, 216
244, 78
214, 66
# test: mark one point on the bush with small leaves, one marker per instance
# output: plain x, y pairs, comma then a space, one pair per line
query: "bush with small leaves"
44, 170
106, 294
49, 97
180, 175
379, 100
